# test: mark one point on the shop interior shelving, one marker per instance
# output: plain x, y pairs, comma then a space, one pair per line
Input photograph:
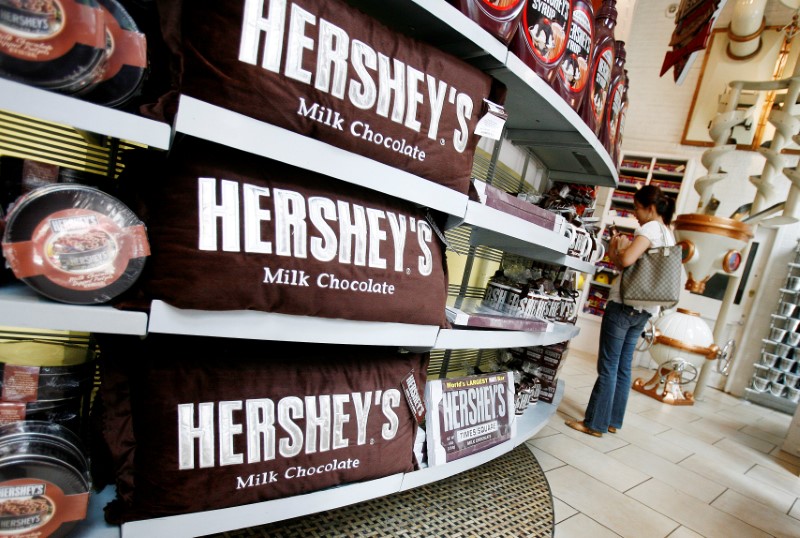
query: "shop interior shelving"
538, 119
778, 368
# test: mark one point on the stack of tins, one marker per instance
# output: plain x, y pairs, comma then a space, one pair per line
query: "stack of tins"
92, 49
46, 376
44, 480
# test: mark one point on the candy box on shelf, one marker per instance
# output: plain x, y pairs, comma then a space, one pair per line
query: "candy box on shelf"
502, 201
468, 414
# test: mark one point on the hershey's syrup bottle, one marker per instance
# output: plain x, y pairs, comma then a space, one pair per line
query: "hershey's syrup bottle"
498, 17
573, 73
616, 150
616, 95
541, 40
594, 101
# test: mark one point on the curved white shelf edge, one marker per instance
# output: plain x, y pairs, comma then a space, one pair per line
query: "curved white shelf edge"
498, 339
66, 110
250, 515
210, 122
22, 307
251, 324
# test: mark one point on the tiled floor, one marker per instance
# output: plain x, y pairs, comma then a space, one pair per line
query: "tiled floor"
713, 469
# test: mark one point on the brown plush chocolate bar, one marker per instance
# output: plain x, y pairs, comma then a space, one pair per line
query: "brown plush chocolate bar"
228, 422
326, 70
234, 231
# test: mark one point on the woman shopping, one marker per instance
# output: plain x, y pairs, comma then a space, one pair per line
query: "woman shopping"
623, 324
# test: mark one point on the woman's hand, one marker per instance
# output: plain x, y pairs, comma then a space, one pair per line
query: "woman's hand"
618, 244
627, 251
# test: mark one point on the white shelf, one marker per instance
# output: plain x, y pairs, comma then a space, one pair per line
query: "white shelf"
541, 120
505, 231
20, 306
250, 515
251, 324
50, 106
497, 339
210, 122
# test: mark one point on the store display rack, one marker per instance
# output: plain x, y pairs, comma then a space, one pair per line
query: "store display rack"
538, 119
776, 378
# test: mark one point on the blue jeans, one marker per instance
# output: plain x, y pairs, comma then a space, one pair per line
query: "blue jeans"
619, 332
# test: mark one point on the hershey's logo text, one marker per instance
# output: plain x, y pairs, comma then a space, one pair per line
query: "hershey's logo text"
468, 407
348, 233
279, 429
398, 93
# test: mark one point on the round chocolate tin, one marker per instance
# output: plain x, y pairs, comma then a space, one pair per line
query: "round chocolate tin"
126, 59
53, 44
74, 244
40, 495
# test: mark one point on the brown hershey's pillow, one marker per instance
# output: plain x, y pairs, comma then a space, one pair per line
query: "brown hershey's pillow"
323, 69
227, 422
233, 231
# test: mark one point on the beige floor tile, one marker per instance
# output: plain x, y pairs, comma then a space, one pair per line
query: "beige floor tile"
683, 532
672, 415
591, 461
608, 507
688, 422
582, 380
562, 511
545, 432
733, 462
786, 481
747, 441
712, 469
580, 526
546, 460
643, 424
605, 443
758, 457
758, 515
795, 511
701, 518
648, 442
678, 477
776, 439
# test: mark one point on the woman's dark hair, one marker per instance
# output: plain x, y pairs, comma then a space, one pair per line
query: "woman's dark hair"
650, 195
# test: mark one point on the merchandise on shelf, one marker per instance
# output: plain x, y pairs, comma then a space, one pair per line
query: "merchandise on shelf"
58, 46
388, 97
46, 376
614, 106
250, 233
125, 66
90, 49
452, 431
776, 378
541, 40
498, 17
74, 244
514, 205
243, 421
574, 71
44, 479
592, 107
542, 362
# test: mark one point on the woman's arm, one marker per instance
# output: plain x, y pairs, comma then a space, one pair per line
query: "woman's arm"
625, 253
